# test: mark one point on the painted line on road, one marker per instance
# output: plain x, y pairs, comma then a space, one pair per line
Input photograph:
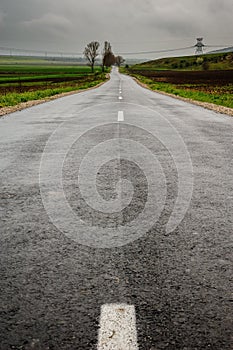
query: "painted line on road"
120, 98
120, 117
117, 327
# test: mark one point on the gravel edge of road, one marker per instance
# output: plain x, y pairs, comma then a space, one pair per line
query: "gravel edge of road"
210, 106
24, 105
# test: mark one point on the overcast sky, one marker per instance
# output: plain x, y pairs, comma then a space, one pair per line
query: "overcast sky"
130, 25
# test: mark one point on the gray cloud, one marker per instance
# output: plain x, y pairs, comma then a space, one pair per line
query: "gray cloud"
2, 19
133, 25
49, 23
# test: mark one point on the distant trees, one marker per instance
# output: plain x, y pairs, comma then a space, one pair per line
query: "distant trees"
91, 53
108, 59
119, 60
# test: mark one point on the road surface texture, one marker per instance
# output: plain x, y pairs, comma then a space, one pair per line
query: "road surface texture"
116, 223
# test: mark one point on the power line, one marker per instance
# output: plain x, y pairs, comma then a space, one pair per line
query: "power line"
216, 45
10, 49
46, 53
156, 51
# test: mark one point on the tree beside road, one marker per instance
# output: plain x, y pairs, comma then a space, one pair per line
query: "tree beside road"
91, 53
108, 58
119, 60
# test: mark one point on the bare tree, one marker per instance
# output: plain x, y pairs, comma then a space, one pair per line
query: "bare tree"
91, 53
119, 60
108, 58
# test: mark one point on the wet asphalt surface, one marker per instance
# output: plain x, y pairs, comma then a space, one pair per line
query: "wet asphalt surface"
52, 285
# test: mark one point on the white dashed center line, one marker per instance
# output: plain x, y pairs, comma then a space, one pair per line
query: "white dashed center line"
120, 92
120, 117
117, 328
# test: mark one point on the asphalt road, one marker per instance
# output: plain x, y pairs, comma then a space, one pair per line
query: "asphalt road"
116, 195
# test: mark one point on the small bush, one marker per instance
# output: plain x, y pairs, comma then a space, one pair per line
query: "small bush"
199, 60
205, 65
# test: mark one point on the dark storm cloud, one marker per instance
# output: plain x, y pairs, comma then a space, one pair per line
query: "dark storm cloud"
132, 25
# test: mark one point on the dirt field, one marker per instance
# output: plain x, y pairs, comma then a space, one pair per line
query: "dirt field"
213, 82
46, 83
220, 77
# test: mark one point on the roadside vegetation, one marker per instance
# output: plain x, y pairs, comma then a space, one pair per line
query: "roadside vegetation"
207, 78
24, 79
22, 82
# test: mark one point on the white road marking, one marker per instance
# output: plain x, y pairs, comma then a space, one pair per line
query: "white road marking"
120, 97
120, 116
117, 328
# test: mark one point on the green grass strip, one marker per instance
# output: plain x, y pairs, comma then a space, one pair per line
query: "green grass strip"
225, 100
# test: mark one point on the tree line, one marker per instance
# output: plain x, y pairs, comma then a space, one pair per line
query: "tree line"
108, 58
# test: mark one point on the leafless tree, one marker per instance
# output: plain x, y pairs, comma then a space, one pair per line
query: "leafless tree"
108, 58
91, 53
119, 60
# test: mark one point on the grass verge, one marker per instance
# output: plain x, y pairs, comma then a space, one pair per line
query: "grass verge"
222, 99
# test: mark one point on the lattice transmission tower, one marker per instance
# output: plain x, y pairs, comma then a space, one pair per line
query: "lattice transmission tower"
199, 46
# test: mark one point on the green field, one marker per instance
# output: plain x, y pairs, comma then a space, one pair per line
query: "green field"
23, 82
219, 61
30, 60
